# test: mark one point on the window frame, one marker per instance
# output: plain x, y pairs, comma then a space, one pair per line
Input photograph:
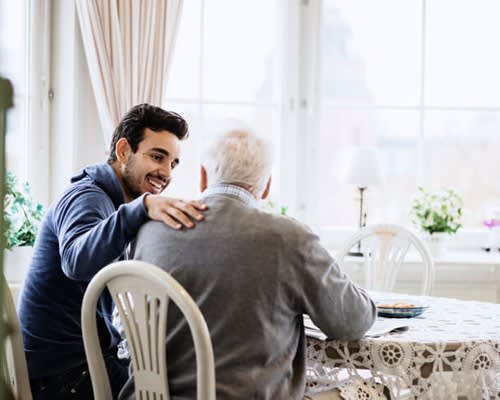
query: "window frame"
308, 211
37, 54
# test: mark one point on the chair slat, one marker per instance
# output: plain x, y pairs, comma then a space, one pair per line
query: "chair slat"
386, 247
142, 293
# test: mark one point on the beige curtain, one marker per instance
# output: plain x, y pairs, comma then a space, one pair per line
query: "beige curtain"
128, 45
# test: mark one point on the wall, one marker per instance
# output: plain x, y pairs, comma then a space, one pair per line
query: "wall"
475, 280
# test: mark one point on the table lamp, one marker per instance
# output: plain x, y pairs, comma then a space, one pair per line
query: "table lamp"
364, 169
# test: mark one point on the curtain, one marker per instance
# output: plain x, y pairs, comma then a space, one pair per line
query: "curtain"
128, 45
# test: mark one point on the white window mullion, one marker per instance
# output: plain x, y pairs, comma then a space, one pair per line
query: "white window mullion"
421, 111
38, 77
289, 141
201, 66
308, 184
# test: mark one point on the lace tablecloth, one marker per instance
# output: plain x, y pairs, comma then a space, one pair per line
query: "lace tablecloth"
452, 351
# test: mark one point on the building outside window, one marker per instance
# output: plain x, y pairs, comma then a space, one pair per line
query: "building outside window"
227, 71
419, 81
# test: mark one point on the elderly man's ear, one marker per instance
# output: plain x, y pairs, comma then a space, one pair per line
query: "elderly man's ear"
204, 183
203, 178
265, 194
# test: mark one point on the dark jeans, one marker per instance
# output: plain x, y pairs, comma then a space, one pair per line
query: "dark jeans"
75, 383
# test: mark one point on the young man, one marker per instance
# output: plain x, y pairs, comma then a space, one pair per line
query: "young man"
87, 228
253, 275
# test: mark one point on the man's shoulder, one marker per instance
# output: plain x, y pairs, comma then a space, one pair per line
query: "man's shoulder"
266, 224
85, 187
83, 193
284, 223
225, 208
155, 227
233, 216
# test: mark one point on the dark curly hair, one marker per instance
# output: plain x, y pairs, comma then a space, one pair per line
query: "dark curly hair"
141, 116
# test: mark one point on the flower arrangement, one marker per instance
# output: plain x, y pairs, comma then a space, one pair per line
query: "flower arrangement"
437, 212
22, 215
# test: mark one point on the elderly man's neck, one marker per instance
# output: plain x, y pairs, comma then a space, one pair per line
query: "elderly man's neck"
236, 185
239, 186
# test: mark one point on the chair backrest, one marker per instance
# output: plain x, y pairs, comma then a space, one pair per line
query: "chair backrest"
384, 248
15, 368
141, 293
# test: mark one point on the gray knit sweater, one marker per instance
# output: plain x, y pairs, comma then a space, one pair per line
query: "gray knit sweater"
253, 275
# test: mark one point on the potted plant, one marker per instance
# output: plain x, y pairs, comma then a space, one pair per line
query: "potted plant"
22, 216
439, 214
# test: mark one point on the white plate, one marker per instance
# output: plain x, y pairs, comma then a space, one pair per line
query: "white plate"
384, 308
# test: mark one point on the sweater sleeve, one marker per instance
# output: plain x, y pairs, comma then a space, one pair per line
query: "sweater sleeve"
335, 304
92, 233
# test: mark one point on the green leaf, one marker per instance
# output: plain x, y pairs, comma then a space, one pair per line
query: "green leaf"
22, 215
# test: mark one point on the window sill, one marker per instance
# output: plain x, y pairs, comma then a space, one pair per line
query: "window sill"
465, 240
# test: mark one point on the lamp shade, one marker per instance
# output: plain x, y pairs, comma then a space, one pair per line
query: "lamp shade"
364, 168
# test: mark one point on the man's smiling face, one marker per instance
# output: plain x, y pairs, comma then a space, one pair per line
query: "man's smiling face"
150, 168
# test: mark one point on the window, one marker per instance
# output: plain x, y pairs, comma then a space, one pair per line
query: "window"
14, 66
227, 66
419, 80
24, 60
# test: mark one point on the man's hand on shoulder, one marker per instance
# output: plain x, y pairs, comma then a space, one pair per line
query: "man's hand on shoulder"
176, 213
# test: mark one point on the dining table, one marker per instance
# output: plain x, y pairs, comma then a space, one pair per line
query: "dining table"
450, 351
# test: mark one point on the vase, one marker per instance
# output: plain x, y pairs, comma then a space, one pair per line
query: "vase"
438, 244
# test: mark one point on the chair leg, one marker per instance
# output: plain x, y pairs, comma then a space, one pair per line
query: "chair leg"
387, 393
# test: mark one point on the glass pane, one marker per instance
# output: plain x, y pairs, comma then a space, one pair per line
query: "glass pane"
185, 182
265, 121
241, 50
461, 151
370, 52
13, 66
394, 134
184, 78
462, 58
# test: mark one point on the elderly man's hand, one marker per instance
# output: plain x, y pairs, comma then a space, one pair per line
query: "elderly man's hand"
176, 213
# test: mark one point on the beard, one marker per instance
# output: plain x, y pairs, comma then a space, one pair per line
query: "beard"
131, 182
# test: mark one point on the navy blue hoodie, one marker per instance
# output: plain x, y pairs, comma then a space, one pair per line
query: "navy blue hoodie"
87, 228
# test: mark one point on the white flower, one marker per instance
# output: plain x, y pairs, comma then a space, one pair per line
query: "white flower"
437, 212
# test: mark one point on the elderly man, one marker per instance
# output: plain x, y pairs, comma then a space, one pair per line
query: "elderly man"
253, 275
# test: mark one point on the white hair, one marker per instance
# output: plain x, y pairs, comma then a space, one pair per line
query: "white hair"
239, 157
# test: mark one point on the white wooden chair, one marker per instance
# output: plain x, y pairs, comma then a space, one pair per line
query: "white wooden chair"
384, 249
15, 368
141, 293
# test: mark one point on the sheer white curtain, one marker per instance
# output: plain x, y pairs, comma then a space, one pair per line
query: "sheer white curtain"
128, 45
